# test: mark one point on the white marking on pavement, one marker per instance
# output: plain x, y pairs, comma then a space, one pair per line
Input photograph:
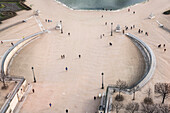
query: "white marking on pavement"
10, 40
160, 25
28, 18
39, 24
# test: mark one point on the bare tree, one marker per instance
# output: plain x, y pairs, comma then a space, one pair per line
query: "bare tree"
148, 92
121, 85
148, 108
163, 89
132, 107
117, 106
5, 86
163, 108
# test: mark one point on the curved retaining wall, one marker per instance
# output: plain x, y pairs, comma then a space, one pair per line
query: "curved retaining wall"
19, 90
150, 61
6, 58
150, 65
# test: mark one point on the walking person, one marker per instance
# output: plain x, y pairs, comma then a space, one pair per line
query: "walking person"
159, 45
66, 110
110, 43
146, 33
66, 68
123, 31
100, 36
79, 56
126, 28
60, 21
94, 97
139, 31
61, 31
12, 43
33, 90
50, 104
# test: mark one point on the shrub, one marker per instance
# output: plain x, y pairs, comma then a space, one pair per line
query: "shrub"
148, 100
119, 98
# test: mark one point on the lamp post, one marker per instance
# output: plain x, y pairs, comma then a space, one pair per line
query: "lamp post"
102, 81
111, 29
134, 91
61, 27
33, 74
61, 31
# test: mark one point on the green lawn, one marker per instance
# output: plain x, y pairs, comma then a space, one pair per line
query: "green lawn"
2, 6
18, 6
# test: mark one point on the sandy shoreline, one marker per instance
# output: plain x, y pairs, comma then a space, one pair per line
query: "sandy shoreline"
75, 89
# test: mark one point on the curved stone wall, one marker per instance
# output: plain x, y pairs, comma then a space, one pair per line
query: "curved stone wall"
150, 61
19, 90
6, 58
150, 65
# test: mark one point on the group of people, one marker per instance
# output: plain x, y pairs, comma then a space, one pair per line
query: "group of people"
133, 11
126, 28
63, 56
133, 26
141, 31
51, 106
47, 20
101, 36
159, 46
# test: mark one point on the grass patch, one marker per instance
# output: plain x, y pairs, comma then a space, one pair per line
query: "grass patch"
18, 4
1, 15
7, 2
10, 7
2, 6
6, 15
